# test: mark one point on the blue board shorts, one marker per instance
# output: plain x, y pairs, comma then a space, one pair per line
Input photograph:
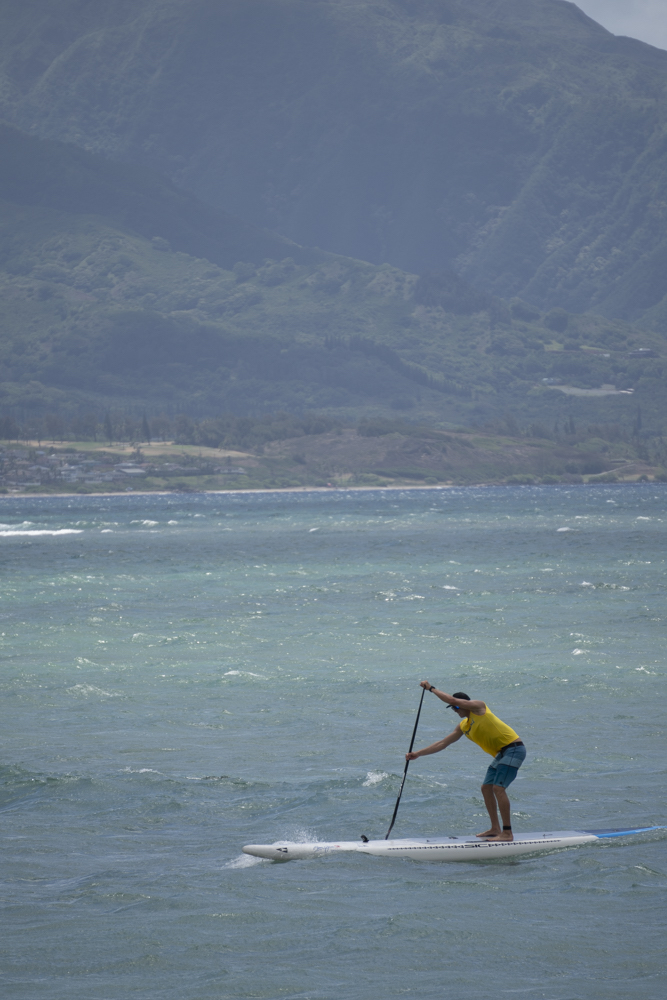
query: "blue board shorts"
504, 766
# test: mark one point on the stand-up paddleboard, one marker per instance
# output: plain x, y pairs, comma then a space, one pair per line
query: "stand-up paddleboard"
443, 848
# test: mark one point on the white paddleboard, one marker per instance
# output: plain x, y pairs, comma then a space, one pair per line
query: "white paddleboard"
442, 848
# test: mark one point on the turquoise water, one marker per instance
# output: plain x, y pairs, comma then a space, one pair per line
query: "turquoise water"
182, 675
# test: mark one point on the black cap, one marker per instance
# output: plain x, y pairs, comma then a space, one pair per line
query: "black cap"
459, 694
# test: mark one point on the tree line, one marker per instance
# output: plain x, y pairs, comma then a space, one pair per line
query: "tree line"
225, 431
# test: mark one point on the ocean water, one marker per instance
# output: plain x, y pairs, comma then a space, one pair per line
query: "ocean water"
182, 675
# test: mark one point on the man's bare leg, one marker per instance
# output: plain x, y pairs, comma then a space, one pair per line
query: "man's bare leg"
503, 801
490, 803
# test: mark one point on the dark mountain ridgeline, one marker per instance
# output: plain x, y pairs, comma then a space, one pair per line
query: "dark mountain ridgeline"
63, 177
516, 143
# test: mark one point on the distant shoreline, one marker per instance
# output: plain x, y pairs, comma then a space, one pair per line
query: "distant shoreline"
263, 489
314, 489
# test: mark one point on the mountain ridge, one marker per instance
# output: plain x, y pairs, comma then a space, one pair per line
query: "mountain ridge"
518, 143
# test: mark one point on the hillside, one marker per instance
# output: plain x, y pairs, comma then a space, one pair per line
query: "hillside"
64, 178
96, 314
516, 143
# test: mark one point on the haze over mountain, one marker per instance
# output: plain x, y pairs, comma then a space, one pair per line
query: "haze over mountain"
118, 291
516, 142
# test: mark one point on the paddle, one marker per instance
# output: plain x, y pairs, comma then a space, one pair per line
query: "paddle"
405, 772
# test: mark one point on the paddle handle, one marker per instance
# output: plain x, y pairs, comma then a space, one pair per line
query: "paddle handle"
407, 763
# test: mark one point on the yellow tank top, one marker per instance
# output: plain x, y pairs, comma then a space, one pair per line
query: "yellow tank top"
488, 732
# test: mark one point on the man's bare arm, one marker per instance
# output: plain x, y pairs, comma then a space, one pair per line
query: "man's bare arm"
436, 747
476, 707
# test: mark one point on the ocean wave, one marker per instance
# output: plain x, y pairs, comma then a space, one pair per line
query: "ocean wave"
42, 531
245, 861
89, 689
18, 785
243, 673
374, 778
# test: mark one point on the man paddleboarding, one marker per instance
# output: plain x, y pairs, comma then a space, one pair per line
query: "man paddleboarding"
498, 739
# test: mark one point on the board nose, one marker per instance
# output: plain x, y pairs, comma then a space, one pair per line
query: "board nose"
267, 851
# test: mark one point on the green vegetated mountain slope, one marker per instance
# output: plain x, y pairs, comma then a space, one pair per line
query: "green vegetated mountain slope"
98, 314
63, 177
513, 141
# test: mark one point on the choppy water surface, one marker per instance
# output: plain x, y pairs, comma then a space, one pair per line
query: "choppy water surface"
182, 675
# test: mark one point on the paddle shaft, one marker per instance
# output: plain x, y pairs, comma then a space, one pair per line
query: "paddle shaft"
407, 764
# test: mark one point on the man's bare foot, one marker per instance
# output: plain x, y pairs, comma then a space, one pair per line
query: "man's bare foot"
489, 833
503, 835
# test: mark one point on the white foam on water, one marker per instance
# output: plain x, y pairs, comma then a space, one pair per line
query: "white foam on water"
301, 835
374, 778
242, 673
43, 531
89, 689
245, 861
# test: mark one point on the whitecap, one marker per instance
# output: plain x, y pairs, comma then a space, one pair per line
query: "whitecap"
107, 531
313, 529
44, 531
242, 673
172, 522
565, 529
88, 689
374, 778
447, 587
577, 652
585, 583
146, 523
